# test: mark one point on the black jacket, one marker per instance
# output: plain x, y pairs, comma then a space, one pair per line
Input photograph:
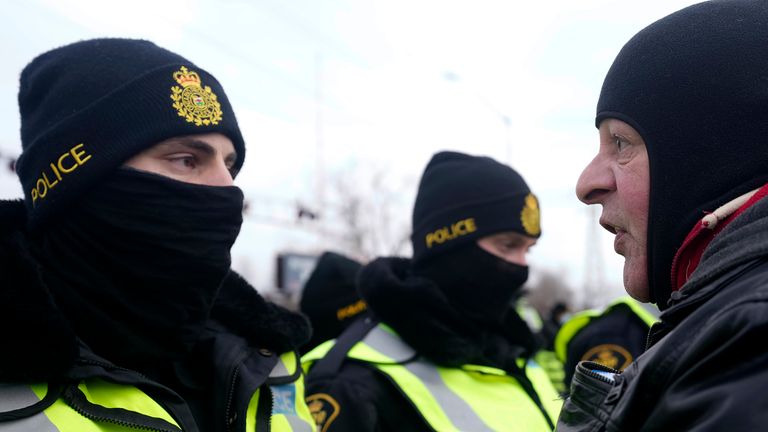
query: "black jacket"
364, 399
706, 368
243, 333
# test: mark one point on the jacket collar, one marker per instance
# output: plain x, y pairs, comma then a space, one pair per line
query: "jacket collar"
420, 313
744, 240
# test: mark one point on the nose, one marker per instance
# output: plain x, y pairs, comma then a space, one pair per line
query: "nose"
518, 257
219, 175
595, 182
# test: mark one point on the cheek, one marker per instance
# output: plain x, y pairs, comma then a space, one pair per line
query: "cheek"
147, 164
634, 195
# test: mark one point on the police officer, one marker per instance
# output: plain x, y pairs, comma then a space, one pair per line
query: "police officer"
443, 348
118, 307
681, 176
329, 297
613, 337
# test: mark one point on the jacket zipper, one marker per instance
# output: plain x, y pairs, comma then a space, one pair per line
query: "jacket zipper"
264, 421
230, 396
110, 366
588, 371
75, 405
271, 407
119, 422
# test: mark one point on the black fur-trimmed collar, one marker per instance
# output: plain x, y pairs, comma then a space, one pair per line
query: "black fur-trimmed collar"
241, 309
41, 345
419, 312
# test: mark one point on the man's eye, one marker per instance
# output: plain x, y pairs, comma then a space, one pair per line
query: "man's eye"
186, 162
621, 144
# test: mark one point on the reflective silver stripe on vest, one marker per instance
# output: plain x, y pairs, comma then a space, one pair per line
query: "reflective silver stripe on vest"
279, 370
455, 408
13, 397
298, 425
389, 345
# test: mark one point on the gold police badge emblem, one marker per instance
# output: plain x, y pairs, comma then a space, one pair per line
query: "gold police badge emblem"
197, 104
324, 409
611, 355
530, 215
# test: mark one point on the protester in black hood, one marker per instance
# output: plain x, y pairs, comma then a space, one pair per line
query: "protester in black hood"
681, 176
117, 302
443, 348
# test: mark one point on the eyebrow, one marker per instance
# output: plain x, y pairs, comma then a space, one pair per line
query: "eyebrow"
204, 147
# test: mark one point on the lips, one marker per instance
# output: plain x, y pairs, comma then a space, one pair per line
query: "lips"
611, 228
617, 241
616, 230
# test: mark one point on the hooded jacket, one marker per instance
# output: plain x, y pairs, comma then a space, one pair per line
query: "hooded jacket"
238, 349
692, 84
706, 362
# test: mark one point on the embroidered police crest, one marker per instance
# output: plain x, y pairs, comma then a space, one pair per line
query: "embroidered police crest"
611, 355
530, 216
324, 409
197, 104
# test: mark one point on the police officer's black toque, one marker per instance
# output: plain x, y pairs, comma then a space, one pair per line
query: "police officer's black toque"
462, 198
88, 107
330, 299
694, 85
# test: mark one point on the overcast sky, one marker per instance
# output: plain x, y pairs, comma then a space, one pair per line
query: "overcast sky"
339, 86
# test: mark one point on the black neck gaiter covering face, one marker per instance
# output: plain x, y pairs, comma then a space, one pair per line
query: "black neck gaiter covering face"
477, 283
136, 265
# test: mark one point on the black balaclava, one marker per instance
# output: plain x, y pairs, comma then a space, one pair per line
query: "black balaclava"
475, 282
694, 85
136, 264
462, 199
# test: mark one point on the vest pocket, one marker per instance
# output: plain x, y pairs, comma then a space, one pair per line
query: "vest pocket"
595, 389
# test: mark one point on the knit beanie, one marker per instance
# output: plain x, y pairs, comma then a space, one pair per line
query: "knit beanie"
693, 84
88, 107
329, 298
462, 198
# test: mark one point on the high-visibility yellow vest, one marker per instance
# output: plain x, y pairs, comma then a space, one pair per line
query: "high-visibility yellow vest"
468, 398
553, 367
289, 410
